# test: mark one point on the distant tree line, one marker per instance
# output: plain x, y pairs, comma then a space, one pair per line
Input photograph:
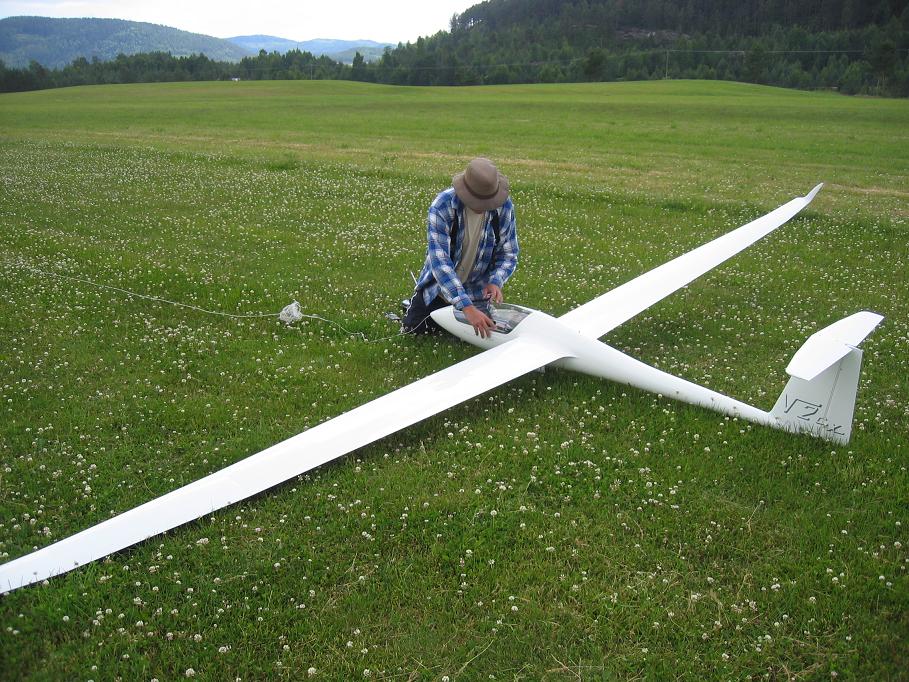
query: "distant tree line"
854, 46
156, 67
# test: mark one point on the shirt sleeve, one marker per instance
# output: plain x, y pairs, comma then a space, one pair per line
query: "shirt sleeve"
505, 258
441, 216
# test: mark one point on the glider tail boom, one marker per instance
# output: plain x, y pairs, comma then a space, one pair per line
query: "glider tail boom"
820, 396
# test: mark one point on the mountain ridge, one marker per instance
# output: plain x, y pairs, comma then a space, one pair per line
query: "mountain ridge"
57, 42
340, 50
54, 42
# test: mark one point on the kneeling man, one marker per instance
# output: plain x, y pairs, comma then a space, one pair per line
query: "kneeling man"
472, 249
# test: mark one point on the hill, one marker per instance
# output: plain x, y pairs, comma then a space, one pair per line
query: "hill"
55, 43
845, 44
255, 43
340, 50
748, 17
330, 47
369, 54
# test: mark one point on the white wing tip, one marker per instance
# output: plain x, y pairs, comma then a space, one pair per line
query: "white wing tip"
810, 196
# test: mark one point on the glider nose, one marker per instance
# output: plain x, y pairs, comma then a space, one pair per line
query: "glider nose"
456, 324
506, 316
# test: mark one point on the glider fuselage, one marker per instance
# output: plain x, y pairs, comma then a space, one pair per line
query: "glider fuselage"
591, 356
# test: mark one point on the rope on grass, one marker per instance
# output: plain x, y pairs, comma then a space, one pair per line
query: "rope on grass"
290, 314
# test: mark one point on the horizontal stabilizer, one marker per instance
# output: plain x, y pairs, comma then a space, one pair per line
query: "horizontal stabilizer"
831, 344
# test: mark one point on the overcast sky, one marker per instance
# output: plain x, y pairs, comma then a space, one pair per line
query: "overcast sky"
389, 21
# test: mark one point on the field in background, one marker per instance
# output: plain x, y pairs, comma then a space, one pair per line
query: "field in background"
559, 527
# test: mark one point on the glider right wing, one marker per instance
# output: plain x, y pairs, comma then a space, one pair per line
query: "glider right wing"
619, 305
292, 457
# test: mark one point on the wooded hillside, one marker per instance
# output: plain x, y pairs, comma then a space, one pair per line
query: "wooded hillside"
55, 43
852, 45
746, 17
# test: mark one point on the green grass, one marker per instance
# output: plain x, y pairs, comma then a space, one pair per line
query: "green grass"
632, 537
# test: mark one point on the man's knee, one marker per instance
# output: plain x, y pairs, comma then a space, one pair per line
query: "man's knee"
417, 320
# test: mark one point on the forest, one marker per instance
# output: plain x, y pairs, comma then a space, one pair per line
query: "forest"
853, 46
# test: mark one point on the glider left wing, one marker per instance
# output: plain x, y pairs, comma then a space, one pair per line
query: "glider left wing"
606, 312
292, 457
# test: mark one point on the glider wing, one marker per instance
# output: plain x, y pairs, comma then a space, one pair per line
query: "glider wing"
292, 457
608, 311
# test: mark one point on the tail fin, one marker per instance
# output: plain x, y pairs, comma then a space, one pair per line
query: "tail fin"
820, 396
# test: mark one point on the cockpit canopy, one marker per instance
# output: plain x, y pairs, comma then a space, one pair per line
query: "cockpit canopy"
506, 316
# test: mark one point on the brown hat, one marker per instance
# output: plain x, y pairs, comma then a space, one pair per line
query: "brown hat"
481, 186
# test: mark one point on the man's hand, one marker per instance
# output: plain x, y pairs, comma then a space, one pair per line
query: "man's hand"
482, 324
492, 292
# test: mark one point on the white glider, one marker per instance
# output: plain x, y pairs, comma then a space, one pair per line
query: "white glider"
819, 398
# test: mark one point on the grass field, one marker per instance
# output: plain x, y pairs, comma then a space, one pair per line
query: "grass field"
557, 528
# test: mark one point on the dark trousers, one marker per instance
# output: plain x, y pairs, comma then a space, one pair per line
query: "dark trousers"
417, 319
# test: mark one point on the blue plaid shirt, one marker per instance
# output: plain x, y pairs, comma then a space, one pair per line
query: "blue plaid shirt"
492, 266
